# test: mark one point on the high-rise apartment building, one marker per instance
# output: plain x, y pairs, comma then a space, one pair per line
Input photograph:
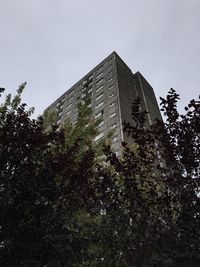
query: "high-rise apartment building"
112, 87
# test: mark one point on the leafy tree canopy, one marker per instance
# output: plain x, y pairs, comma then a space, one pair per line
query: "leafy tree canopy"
62, 206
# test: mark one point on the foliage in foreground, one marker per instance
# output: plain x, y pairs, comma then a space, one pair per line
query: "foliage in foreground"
62, 207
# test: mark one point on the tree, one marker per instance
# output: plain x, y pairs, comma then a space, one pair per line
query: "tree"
46, 190
159, 196
62, 206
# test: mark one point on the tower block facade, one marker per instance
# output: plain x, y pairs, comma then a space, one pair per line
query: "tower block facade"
112, 88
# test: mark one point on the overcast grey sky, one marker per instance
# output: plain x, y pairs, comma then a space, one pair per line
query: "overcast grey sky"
52, 44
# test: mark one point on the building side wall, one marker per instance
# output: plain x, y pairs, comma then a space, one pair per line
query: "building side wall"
130, 87
148, 98
127, 93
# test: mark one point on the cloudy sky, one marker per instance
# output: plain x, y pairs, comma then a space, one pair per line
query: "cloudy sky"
51, 44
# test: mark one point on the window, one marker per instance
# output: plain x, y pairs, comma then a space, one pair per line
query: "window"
101, 124
99, 105
60, 114
110, 79
113, 115
99, 75
110, 87
57, 104
70, 98
91, 77
69, 105
99, 114
61, 107
112, 105
111, 95
98, 89
89, 91
71, 92
99, 96
84, 88
115, 138
79, 91
83, 95
100, 68
63, 100
99, 81
84, 82
117, 153
68, 112
89, 105
98, 137
113, 126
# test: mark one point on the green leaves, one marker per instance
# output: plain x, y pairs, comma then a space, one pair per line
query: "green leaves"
61, 205
12, 104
